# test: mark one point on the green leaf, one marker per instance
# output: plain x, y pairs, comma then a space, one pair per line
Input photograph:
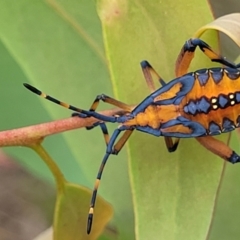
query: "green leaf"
57, 47
72, 204
174, 194
228, 24
71, 215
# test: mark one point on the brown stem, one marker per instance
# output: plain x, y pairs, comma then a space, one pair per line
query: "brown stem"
27, 136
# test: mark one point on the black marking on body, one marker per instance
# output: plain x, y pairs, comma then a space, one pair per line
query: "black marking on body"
222, 100
216, 74
227, 126
232, 73
201, 105
214, 128
205, 105
202, 76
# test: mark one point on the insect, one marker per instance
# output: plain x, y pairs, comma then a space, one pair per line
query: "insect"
198, 104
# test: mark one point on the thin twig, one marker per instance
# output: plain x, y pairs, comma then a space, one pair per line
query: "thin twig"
27, 136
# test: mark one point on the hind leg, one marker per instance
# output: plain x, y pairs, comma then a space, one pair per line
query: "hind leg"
219, 148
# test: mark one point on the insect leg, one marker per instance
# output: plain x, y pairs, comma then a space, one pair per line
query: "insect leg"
111, 101
125, 108
187, 53
219, 148
148, 71
171, 146
111, 149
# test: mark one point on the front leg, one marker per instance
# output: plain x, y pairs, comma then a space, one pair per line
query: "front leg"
187, 53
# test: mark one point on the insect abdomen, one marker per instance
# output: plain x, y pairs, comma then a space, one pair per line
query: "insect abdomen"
214, 100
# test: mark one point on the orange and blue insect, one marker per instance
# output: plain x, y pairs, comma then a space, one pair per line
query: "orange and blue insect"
198, 104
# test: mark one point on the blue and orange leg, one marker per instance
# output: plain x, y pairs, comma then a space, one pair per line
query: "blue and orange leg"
149, 72
187, 54
219, 148
91, 113
112, 148
124, 108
